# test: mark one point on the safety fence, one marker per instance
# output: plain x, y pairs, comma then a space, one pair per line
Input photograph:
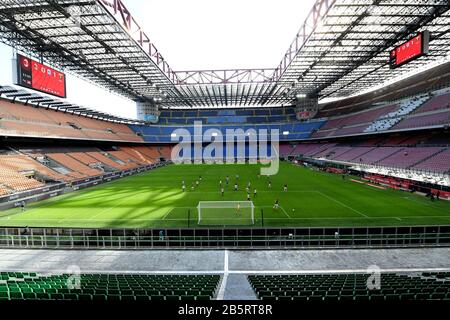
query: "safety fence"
279, 238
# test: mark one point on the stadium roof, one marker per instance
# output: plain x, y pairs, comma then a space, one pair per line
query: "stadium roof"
342, 48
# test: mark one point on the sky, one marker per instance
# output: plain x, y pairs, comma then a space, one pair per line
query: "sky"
197, 35
78, 91
217, 34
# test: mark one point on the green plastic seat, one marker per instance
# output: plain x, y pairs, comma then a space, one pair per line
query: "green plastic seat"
85, 297
4, 294
16, 295
29, 295
42, 296
113, 297
70, 296
56, 296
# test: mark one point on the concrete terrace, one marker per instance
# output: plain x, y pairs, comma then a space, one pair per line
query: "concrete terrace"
233, 265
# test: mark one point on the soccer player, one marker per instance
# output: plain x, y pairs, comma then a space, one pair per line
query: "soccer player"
235, 187
238, 208
227, 179
221, 191
183, 187
254, 193
276, 205
248, 197
200, 178
22, 206
249, 184
237, 177
220, 182
270, 184
285, 188
196, 182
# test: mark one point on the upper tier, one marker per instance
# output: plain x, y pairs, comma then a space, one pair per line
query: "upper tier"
430, 110
288, 131
253, 115
420, 111
17, 119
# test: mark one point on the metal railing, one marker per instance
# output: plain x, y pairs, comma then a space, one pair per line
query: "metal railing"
301, 238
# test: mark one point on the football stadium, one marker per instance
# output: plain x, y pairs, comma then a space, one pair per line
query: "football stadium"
323, 178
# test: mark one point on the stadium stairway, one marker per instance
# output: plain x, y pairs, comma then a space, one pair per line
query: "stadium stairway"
238, 288
136, 275
389, 155
429, 157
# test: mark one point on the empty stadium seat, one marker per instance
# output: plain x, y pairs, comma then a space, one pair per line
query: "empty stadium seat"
25, 120
349, 287
107, 287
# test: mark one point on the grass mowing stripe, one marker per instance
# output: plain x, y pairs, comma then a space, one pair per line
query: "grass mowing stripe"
269, 218
155, 199
125, 198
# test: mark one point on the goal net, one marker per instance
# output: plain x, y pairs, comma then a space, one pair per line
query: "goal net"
226, 213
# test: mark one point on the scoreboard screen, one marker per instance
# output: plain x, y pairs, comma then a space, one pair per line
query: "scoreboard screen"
37, 76
410, 50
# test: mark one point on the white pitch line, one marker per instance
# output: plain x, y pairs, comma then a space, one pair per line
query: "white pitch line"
343, 204
285, 212
168, 212
420, 202
289, 217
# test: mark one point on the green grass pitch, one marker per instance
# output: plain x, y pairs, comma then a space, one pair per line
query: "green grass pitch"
155, 199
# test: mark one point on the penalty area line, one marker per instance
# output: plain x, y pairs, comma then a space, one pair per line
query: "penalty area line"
343, 204
282, 209
167, 214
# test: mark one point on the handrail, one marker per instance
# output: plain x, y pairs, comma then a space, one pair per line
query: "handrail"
407, 239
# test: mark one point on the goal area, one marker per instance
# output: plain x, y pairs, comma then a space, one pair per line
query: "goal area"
226, 213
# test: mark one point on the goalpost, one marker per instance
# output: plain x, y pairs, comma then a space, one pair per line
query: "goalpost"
226, 213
